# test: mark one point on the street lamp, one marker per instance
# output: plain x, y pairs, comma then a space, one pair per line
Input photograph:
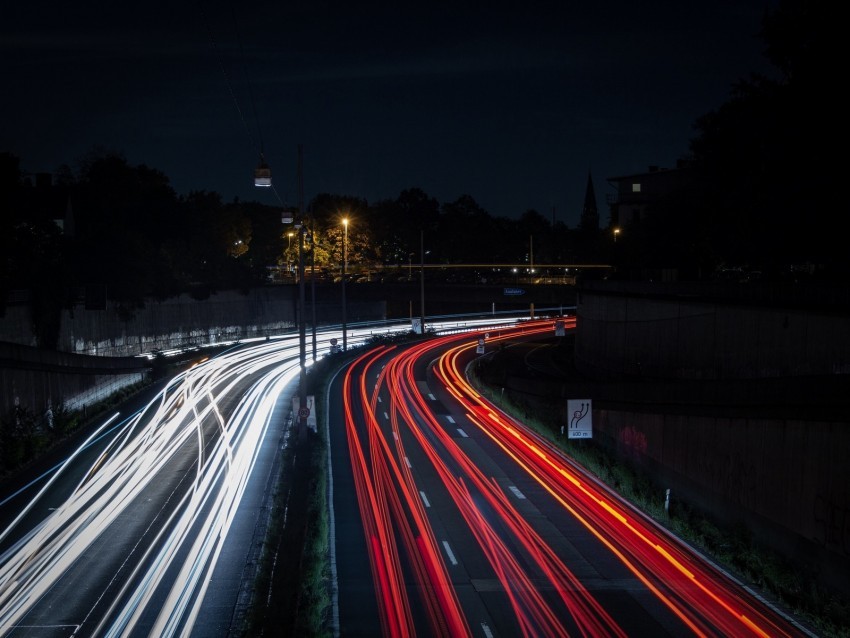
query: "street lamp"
616, 232
422, 281
288, 252
344, 269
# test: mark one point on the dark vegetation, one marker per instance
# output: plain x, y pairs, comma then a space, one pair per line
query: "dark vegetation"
25, 436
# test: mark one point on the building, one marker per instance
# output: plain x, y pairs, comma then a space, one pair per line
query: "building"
638, 192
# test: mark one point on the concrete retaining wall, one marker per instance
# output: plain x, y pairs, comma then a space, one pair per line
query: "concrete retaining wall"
787, 481
775, 460
698, 333
35, 379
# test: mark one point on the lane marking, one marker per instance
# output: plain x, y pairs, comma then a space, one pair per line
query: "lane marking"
424, 498
462, 433
450, 553
486, 629
407, 462
516, 491
450, 419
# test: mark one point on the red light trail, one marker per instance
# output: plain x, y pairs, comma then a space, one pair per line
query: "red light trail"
389, 419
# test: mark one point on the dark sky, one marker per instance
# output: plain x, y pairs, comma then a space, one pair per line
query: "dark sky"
509, 102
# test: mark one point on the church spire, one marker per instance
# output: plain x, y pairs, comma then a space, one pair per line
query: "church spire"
589, 214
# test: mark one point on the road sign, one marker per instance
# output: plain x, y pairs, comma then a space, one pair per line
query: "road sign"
304, 413
580, 415
513, 292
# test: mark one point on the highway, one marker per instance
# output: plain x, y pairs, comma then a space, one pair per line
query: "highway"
453, 519
124, 536
145, 528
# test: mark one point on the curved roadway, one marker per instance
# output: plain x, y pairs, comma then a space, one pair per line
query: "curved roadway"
452, 519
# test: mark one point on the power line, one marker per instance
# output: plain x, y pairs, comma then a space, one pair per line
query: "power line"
226, 77
247, 77
233, 93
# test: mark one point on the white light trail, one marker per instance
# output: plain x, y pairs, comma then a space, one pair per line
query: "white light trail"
189, 418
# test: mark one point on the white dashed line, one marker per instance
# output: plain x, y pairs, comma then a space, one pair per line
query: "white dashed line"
486, 629
518, 494
424, 499
450, 553
462, 433
450, 419
407, 462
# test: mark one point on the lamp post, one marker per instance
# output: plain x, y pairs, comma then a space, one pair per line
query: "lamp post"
313, 280
303, 411
302, 338
344, 269
422, 281
289, 252
262, 177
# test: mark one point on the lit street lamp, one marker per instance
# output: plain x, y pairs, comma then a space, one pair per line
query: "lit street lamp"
422, 281
288, 252
344, 269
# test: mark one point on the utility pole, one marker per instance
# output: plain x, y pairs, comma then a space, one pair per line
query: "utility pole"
302, 318
344, 276
422, 280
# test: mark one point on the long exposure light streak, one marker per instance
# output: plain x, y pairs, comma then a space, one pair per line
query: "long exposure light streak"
210, 413
699, 596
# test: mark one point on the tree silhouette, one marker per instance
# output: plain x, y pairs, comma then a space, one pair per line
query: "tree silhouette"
766, 192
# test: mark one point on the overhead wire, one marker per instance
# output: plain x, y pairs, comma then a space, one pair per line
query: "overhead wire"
247, 77
217, 52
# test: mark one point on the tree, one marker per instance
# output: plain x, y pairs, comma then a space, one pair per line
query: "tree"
768, 197
398, 224
123, 214
327, 212
535, 230
465, 233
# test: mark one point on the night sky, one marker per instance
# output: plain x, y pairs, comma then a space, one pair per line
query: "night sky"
509, 102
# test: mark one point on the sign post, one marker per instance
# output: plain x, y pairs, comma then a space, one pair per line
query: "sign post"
306, 414
580, 415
